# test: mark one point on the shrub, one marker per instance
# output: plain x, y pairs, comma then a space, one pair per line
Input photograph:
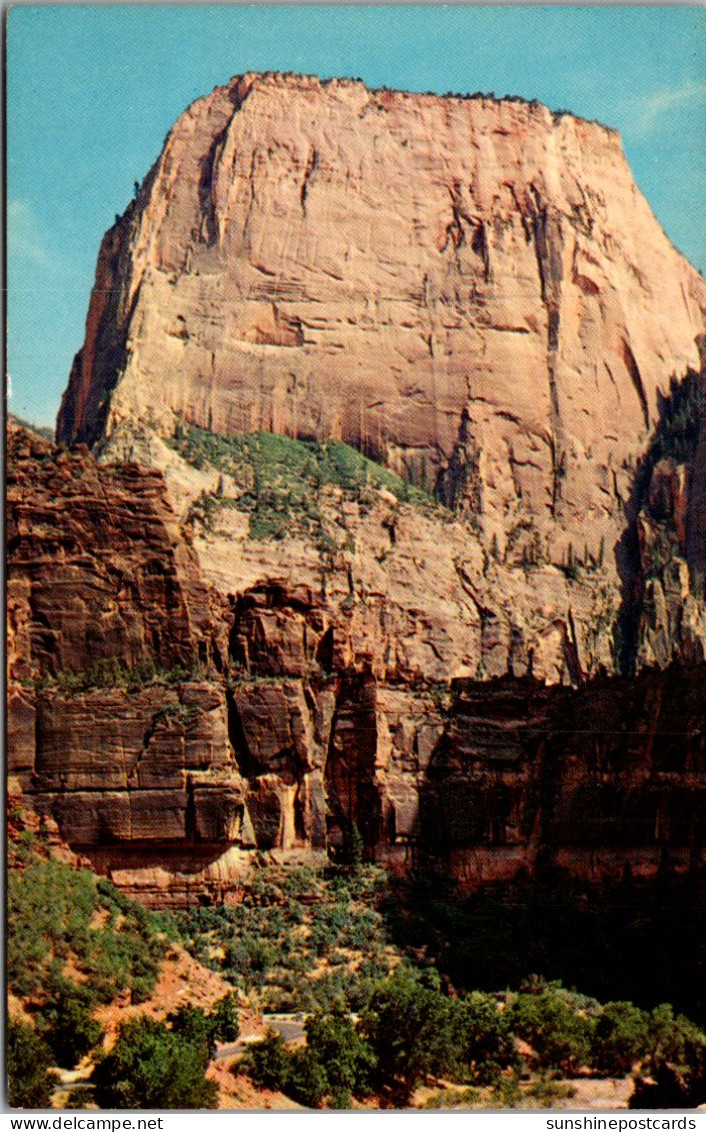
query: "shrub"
193, 1025
79, 1097
199, 1028
486, 1045
305, 1080
30, 1084
226, 1023
51, 910
151, 1066
547, 1093
676, 1064
267, 1061
559, 1035
335, 1064
453, 1098
347, 1060
507, 1093
410, 1027
620, 1038
284, 478
675, 1084
69, 1029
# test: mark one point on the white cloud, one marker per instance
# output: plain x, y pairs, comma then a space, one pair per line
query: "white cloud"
23, 236
647, 110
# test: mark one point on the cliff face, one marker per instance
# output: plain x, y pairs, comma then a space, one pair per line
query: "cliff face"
268, 640
170, 732
113, 725
473, 292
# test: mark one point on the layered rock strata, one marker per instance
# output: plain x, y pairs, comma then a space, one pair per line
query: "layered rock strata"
219, 655
198, 731
112, 728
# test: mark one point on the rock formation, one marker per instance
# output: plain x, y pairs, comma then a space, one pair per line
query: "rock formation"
193, 730
111, 726
230, 631
473, 292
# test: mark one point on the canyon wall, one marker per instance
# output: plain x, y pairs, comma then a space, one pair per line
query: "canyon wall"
175, 734
394, 514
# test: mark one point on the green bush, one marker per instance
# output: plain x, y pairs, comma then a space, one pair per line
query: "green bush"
267, 1061
621, 1038
548, 1093
676, 1067
674, 1071
507, 1093
79, 1097
51, 912
453, 1098
485, 1042
270, 942
335, 1065
410, 1026
226, 1023
195, 1026
68, 1027
287, 477
560, 1036
154, 1067
114, 672
30, 1083
347, 1059
305, 1081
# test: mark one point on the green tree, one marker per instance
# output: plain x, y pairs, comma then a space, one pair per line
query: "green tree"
267, 1061
352, 851
30, 1083
194, 1026
79, 1097
347, 1059
620, 1038
226, 1022
199, 1028
667, 1035
559, 1035
485, 1042
410, 1027
675, 1066
305, 1080
151, 1066
68, 1026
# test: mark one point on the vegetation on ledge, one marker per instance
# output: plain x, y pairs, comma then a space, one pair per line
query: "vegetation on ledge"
282, 479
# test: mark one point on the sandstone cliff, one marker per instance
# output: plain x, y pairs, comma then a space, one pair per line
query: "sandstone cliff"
196, 730
474, 292
113, 725
397, 419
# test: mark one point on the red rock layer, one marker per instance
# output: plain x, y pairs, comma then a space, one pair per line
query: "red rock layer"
282, 739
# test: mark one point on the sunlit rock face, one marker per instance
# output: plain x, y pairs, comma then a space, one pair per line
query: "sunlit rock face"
472, 291
474, 294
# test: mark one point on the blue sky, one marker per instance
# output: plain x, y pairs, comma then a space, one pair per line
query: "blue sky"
92, 92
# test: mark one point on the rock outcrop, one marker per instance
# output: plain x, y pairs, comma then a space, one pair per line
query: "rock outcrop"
473, 292
113, 725
229, 631
271, 723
